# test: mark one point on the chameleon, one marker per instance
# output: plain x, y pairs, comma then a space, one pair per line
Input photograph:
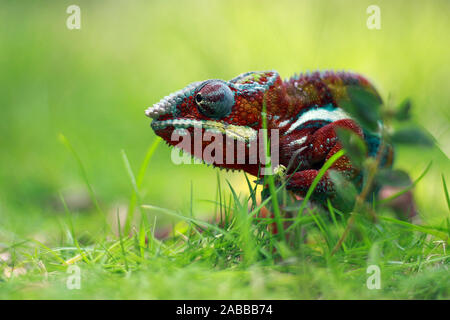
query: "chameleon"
304, 109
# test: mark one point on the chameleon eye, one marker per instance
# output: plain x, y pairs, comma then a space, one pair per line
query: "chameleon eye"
214, 99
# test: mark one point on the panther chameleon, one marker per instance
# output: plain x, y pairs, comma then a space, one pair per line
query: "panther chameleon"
305, 109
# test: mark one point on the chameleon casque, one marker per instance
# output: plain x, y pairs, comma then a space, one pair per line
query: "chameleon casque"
305, 109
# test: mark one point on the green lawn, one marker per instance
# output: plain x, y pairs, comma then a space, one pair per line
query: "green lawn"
73, 127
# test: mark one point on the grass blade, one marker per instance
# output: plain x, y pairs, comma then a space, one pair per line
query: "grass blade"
270, 179
137, 183
386, 200
446, 192
84, 175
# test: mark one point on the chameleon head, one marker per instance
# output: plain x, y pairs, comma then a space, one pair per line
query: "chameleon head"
232, 108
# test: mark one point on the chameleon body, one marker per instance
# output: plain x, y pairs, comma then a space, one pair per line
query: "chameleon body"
305, 110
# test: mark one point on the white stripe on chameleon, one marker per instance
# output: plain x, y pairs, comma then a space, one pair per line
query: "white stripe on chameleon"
319, 114
236, 132
285, 122
298, 141
301, 149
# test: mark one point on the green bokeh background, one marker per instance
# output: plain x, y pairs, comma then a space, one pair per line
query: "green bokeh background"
93, 85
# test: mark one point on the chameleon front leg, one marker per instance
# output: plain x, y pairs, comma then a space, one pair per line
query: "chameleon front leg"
322, 145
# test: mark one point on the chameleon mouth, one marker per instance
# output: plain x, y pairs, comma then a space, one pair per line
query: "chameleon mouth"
235, 132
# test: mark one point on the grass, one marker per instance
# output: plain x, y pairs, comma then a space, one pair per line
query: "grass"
66, 204
236, 258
